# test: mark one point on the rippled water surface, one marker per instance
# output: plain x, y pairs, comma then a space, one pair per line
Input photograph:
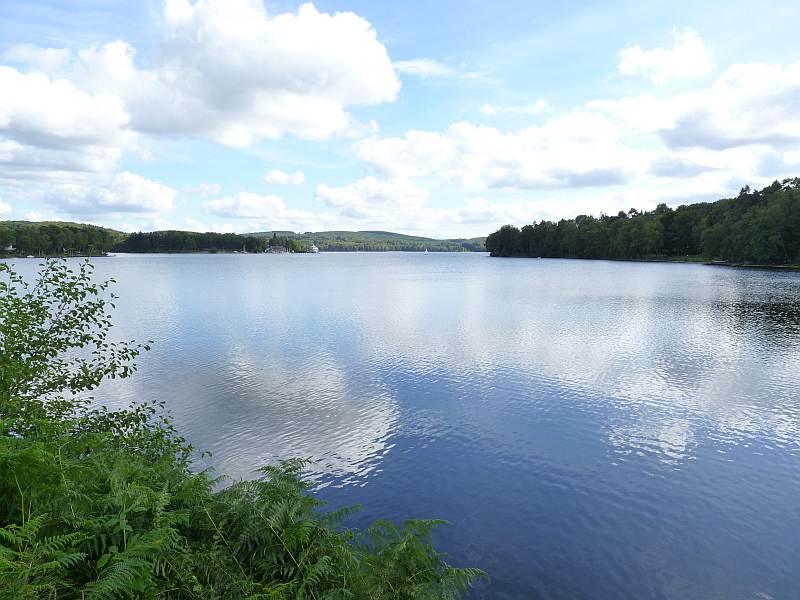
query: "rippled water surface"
592, 430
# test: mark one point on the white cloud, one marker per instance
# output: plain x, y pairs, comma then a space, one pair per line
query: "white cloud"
750, 104
50, 126
535, 108
372, 199
278, 177
124, 193
266, 213
743, 127
246, 205
229, 71
486, 214
5, 208
400, 205
579, 149
688, 57
747, 105
225, 70
423, 67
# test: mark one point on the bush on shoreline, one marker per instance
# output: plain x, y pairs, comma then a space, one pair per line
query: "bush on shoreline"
99, 503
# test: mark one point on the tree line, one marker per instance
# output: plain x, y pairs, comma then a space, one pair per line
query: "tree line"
757, 227
77, 239
190, 241
50, 239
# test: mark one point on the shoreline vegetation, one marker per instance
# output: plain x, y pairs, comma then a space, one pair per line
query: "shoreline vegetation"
99, 504
59, 239
756, 229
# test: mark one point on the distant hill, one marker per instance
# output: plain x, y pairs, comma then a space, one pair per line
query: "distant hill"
378, 241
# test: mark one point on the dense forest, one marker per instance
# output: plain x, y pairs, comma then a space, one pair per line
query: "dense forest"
190, 241
378, 241
56, 238
756, 227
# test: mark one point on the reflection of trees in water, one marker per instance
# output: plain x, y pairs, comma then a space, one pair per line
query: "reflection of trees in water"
773, 322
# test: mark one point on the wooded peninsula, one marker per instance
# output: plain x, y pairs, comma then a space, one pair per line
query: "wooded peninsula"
759, 227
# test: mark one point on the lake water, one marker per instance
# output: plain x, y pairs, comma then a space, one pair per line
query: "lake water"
591, 430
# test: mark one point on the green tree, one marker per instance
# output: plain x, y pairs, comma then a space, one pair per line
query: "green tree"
505, 242
758, 226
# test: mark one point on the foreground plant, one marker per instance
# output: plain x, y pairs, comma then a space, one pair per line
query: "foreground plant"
99, 503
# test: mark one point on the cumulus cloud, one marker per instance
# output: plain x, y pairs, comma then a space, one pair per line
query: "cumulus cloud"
53, 126
741, 127
229, 71
750, 104
124, 193
747, 105
688, 57
489, 214
246, 205
577, 149
370, 198
278, 177
267, 212
5, 208
401, 205
423, 67
367, 203
225, 70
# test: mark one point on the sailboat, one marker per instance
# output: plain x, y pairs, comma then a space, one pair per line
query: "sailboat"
426, 251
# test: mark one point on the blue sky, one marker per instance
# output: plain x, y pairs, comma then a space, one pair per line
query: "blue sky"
437, 118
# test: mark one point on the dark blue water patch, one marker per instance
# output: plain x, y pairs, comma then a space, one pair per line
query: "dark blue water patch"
670, 522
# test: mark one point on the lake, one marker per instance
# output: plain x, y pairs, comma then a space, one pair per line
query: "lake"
590, 429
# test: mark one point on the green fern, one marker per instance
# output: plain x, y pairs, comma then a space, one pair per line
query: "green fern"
32, 565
